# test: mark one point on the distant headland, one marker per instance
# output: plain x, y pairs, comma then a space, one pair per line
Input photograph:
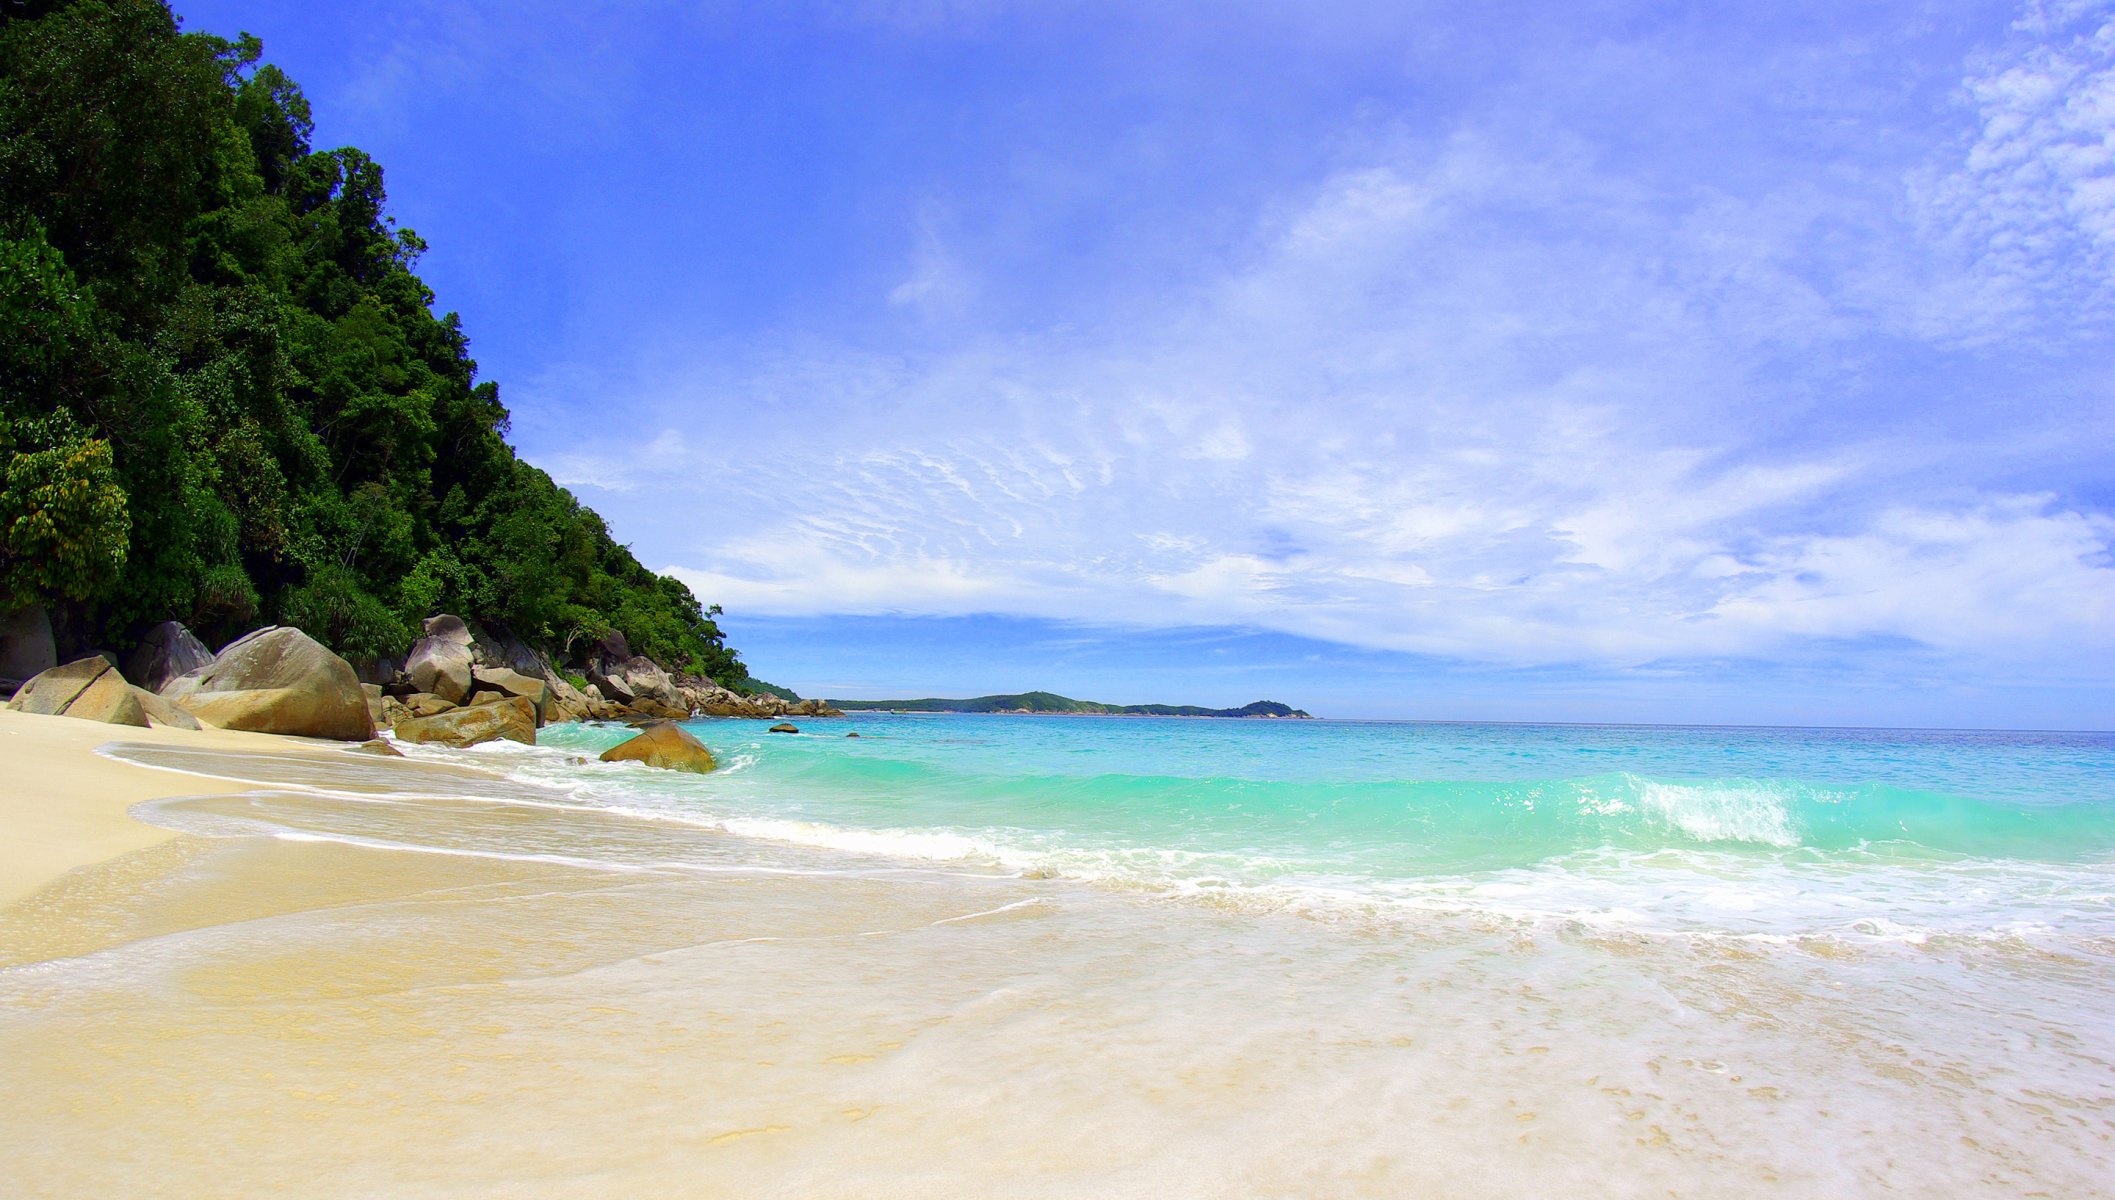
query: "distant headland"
1042, 703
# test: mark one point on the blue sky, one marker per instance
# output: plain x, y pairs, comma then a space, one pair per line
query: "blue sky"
1590, 361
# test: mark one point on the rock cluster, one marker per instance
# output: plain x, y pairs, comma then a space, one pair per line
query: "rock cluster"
458, 685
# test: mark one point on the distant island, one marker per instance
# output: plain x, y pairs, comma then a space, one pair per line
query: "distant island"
1050, 702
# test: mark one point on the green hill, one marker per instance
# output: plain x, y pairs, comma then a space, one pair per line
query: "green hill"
1051, 702
225, 395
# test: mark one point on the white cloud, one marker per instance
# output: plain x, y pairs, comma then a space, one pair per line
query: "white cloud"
2032, 204
1478, 396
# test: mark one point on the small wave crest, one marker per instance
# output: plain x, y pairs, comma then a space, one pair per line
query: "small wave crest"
1755, 813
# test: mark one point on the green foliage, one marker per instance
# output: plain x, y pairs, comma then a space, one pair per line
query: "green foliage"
228, 396
62, 514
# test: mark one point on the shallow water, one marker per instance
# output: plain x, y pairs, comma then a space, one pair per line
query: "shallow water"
1068, 957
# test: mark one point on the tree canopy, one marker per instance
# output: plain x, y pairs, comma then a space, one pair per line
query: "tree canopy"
224, 395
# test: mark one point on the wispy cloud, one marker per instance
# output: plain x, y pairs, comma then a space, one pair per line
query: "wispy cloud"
1502, 386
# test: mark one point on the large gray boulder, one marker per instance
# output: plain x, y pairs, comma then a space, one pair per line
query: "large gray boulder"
167, 651
440, 662
277, 680
26, 647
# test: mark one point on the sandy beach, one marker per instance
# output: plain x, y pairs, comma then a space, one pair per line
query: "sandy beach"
314, 972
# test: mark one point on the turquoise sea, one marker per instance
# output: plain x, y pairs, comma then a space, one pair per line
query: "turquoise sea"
1744, 831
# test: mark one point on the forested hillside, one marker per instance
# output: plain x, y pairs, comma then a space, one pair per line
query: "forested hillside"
224, 396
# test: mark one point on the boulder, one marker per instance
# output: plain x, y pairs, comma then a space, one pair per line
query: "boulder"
90, 689
496, 646
277, 680
393, 710
633, 680
664, 744
509, 717
854, 733
565, 702
613, 684
379, 748
447, 627
425, 704
783, 727
161, 712
600, 707
50, 692
165, 652
440, 662
510, 682
381, 671
26, 646
110, 700
373, 692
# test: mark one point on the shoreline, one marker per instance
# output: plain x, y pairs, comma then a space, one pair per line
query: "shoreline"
65, 806
377, 976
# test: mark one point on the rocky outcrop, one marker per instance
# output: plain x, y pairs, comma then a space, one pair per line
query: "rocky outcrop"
165, 652
277, 680
26, 647
440, 662
710, 699
459, 661
509, 717
664, 744
639, 682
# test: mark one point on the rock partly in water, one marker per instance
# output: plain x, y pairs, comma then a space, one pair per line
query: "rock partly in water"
26, 647
89, 689
664, 744
167, 651
277, 680
379, 748
784, 727
509, 717
854, 734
